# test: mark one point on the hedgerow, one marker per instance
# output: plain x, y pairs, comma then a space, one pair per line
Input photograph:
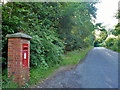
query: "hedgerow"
54, 27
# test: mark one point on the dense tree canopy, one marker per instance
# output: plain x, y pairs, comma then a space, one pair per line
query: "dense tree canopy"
116, 31
102, 35
54, 27
109, 42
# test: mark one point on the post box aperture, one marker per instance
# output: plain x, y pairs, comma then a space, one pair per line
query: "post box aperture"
25, 55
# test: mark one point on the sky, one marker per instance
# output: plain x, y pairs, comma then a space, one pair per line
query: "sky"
107, 9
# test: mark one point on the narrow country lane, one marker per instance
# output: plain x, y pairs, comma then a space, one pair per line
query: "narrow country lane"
99, 69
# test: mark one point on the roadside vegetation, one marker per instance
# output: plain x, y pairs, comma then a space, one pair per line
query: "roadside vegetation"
37, 74
74, 57
108, 38
61, 34
113, 44
70, 58
109, 43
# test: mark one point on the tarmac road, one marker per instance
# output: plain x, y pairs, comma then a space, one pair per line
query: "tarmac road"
99, 69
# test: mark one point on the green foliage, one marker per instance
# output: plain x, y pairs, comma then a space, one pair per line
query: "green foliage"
74, 57
75, 25
38, 74
103, 35
100, 27
89, 40
116, 31
70, 58
113, 43
44, 52
98, 42
7, 83
33, 19
48, 23
110, 42
53, 27
10, 85
118, 15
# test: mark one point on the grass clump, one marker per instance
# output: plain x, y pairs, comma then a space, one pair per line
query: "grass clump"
37, 74
70, 58
10, 84
7, 83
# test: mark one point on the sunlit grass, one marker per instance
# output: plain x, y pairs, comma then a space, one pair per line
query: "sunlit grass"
71, 58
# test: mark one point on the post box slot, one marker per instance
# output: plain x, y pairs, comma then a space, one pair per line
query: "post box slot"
25, 55
25, 47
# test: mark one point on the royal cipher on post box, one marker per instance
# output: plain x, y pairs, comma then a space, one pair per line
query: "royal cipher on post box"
18, 57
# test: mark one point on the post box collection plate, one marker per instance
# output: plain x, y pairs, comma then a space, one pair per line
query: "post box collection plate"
25, 55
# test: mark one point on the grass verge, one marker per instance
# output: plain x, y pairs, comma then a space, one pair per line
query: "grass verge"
73, 57
37, 74
70, 58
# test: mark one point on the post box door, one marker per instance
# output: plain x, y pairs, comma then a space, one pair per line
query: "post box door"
25, 55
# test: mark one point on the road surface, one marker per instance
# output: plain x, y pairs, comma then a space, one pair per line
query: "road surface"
99, 69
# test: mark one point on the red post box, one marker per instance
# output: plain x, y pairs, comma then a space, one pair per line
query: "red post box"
18, 57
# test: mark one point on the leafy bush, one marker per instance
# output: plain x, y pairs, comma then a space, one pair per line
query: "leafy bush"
89, 40
53, 27
44, 52
46, 47
112, 43
47, 23
97, 42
